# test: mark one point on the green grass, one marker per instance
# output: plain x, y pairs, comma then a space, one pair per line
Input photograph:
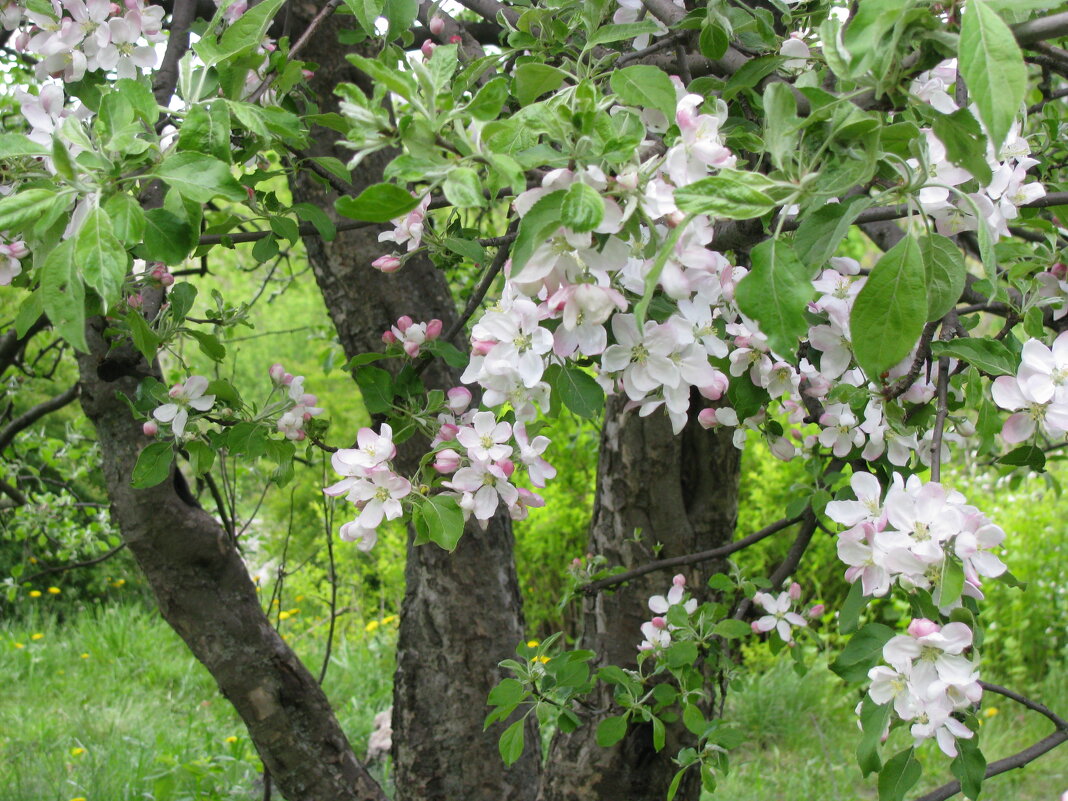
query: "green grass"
137, 717
153, 725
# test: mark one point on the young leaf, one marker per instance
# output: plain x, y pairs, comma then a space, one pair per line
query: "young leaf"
168, 238
820, 233
991, 356
578, 390
444, 520
376, 386
200, 178
993, 68
969, 766
512, 742
889, 312
100, 256
899, 775
645, 86
489, 101
611, 730
377, 203
775, 294
729, 195
583, 207
26, 206
534, 80
945, 270
153, 465
462, 188
536, 226
63, 294
873, 720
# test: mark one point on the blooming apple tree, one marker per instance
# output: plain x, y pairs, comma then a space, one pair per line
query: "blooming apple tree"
652, 197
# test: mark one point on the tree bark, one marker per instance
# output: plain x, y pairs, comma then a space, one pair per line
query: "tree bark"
206, 595
681, 492
462, 612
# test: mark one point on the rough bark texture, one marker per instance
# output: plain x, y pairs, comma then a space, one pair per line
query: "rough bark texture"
462, 611
682, 492
206, 595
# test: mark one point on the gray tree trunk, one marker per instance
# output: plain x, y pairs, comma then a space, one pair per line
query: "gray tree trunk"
462, 612
681, 492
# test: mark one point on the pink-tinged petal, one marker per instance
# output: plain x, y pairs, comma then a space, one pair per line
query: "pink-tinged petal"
766, 623
659, 604
1018, 428
1006, 393
485, 503
340, 488
783, 629
202, 404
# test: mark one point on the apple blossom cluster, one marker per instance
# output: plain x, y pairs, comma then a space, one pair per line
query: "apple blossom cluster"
912, 536
1038, 394
407, 230
657, 632
780, 615
298, 407
928, 679
80, 36
999, 200
185, 397
411, 336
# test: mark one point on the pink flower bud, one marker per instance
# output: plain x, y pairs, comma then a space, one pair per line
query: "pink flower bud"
922, 627
404, 323
455, 39
428, 48
816, 611
679, 580
17, 250
447, 461
754, 627
287, 379
659, 622
150, 428
389, 338
507, 467
437, 25
576, 562
387, 264
308, 74
716, 389
706, 418
277, 372
411, 348
459, 398
795, 591
674, 219
448, 432
433, 329
176, 390
134, 301
300, 436
1059, 269
480, 347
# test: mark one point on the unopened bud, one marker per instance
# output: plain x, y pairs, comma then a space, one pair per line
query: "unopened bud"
287, 379
411, 348
679, 580
1059, 269
428, 48
816, 611
404, 323
134, 301
150, 428
387, 263
277, 372
659, 623
754, 627
433, 329
437, 25
480, 347
447, 461
459, 398
448, 432
795, 591
389, 338
455, 39
922, 627
706, 418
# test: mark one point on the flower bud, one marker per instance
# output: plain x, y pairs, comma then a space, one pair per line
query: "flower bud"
679, 580
287, 379
455, 39
307, 399
1059, 269
447, 461
459, 398
387, 264
150, 428
134, 301
389, 338
815, 612
754, 627
411, 348
507, 467
795, 591
448, 432
308, 74
277, 372
480, 347
16, 250
576, 562
659, 622
404, 323
428, 48
922, 627
433, 329
706, 418
437, 25
966, 428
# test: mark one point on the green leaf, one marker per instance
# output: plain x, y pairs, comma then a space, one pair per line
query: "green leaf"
168, 238
127, 219
619, 33
944, 267
181, 298
444, 520
487, 104
468, 248
26, 206
153, 465
890, 311
965, 142
309, 212
645, 86
535, 228
993, 69
681, 654
201, 457
377, 203
969, 766
463, 189
63, 294
209, 344
508, 692
376, 386
732, 629
400, 14
820, 233
206, 132
534, 80
676, 780
659, 732
101, 257
583, 207
200, 178
366, 12
851, 608
949, 589
989, 355
512, 742
578, 390
781, 124
775, 293
873, 720
730, 194
1025, 456
144, 338
244, 34
13, 145
899, 775
611, 730
750, 74
140, 98
862, 651
397, 82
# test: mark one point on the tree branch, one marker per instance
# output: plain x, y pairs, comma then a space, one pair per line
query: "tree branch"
63, 568
18, 499
185, 11
11, 344
28, 418
1034, 706
692, 558
1036, 30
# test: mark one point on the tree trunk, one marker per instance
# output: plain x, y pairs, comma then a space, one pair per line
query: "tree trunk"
681, 492
462, 612
206, 595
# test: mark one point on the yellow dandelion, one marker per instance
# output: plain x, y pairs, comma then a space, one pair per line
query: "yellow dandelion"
54, 590
990, 711
533, 644
118, 583
293, 612
371, 625
35, 593
542, 659
284, 615
259, 588
299, 598
18, 645
85, 656
231, 739
33, 560
77, 751
389, 619
79, 798
37, 636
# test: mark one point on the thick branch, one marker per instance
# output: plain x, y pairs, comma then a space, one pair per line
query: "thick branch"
1037, 30
1017, 760
11, 344
13, 492
31, 416
692, 558
185, 11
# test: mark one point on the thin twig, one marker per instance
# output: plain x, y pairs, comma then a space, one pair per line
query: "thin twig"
329, 527
693, 558
480, 291
63, 568
313, 26
1023, 700
31, 416
901, 386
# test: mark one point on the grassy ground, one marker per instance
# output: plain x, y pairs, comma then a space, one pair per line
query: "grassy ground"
111, 707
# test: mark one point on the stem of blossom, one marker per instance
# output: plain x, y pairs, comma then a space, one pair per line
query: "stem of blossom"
1017, 760
1034, 706
693, 558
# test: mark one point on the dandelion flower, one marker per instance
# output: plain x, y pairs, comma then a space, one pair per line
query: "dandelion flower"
54, 590
77, 751
231, 739
37, 636
532, 644
371, 625
35, 593
85, 656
